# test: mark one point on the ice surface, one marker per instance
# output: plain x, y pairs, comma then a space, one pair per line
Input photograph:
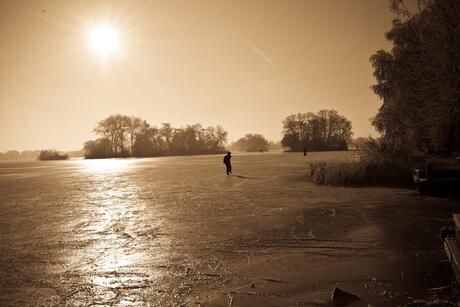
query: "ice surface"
178, 230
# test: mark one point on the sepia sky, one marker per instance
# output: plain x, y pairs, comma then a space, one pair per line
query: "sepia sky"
244, 65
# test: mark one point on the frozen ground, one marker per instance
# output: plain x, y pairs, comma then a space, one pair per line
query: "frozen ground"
177, 230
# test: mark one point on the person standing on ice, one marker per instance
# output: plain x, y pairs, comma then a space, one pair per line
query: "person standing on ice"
227, 162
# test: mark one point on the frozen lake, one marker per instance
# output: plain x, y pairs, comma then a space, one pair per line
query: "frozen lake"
178, 230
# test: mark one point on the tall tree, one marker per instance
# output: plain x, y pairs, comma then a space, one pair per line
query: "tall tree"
418, 80
134, 127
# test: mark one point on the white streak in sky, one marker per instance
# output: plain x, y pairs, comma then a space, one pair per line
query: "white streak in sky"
260, 53
173, 24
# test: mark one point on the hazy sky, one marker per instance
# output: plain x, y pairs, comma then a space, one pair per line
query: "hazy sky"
245, 65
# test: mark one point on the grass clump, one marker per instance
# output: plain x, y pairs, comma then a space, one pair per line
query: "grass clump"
379, 164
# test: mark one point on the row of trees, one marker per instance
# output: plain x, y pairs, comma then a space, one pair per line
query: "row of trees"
51, 154
419, 79
251, 142
123, 136
325, 130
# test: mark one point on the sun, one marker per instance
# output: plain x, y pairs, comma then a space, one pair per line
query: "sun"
104, 40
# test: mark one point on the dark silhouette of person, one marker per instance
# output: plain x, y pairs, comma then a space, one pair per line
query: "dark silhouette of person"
227, 162
305, 151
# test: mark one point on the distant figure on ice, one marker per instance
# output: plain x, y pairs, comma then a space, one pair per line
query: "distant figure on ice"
305, 151
227, 162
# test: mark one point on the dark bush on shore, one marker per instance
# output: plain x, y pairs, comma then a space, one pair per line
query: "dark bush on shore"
51, 155
379, 164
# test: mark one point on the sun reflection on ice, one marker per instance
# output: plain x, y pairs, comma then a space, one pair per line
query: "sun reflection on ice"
108, 165
119, 227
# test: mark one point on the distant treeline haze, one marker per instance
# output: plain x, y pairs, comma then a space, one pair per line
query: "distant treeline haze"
19, 155
123, 136
251, 142
35, 154
325, 130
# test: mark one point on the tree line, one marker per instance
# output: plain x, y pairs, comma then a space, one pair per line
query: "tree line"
418, 80
51, 154
324, 130
130, 136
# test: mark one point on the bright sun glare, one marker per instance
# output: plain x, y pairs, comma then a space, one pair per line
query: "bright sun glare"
104, 40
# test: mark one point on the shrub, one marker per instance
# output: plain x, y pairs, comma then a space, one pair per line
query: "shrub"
379, 164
